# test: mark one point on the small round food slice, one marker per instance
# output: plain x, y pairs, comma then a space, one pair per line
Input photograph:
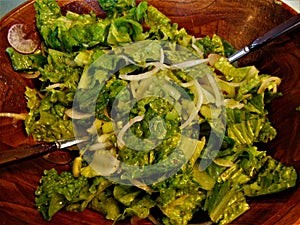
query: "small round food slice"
16, 38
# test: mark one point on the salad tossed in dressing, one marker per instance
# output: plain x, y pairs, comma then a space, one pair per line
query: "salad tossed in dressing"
173, 127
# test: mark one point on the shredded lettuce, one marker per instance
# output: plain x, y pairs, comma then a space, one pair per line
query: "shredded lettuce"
218, 182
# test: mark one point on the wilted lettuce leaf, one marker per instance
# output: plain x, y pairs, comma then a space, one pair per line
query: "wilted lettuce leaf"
225, 202
27, 63
115, 5
45, 121
58, 190
273, 177
232, 73
105, 203
215, 44
181, 210
71, 32
124, 30
126, 194
140, 207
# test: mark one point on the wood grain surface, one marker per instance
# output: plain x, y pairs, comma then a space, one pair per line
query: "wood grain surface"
239, 22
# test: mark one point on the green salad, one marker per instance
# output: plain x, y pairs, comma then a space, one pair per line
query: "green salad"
173, 127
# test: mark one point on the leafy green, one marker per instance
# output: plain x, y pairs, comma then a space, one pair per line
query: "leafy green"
232, 73
124, 30
45, 121
225, 202
191, 171
217, 45
179, 197
70, 33
105, 203
115, 5
29, 62
273, 177
107, 96
59, 191
131, 198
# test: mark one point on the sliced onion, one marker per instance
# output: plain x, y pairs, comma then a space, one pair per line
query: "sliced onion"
141, 87
104, 137
216, 91
129, 61
223, 162
53, 86
233, 104
232, 84
140, 76
197, 108
77, 115
187, 84
267, 82
31, 76
209, 98
100, 146
134, 85
122, 132
17, 116
188, 64
213, 58
159, 65
104, 163
92, 129
142, 186
162, 56
194, 46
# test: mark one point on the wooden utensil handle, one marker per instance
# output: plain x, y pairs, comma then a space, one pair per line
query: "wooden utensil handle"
26, 151
282, 28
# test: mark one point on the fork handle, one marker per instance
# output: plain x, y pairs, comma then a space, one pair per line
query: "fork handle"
282, 28
26, 151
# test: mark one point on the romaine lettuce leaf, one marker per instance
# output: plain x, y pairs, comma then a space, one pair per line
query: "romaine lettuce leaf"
26, 63
60, 190
272, 178
71, 32
116, 5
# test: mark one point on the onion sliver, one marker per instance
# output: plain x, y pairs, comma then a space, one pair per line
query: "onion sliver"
197, 108
120, 136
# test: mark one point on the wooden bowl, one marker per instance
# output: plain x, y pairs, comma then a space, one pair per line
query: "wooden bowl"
239, 22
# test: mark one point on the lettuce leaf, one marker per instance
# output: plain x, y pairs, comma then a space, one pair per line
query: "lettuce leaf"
26, 63
69, 33
273, 178
112, 6
61, 190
